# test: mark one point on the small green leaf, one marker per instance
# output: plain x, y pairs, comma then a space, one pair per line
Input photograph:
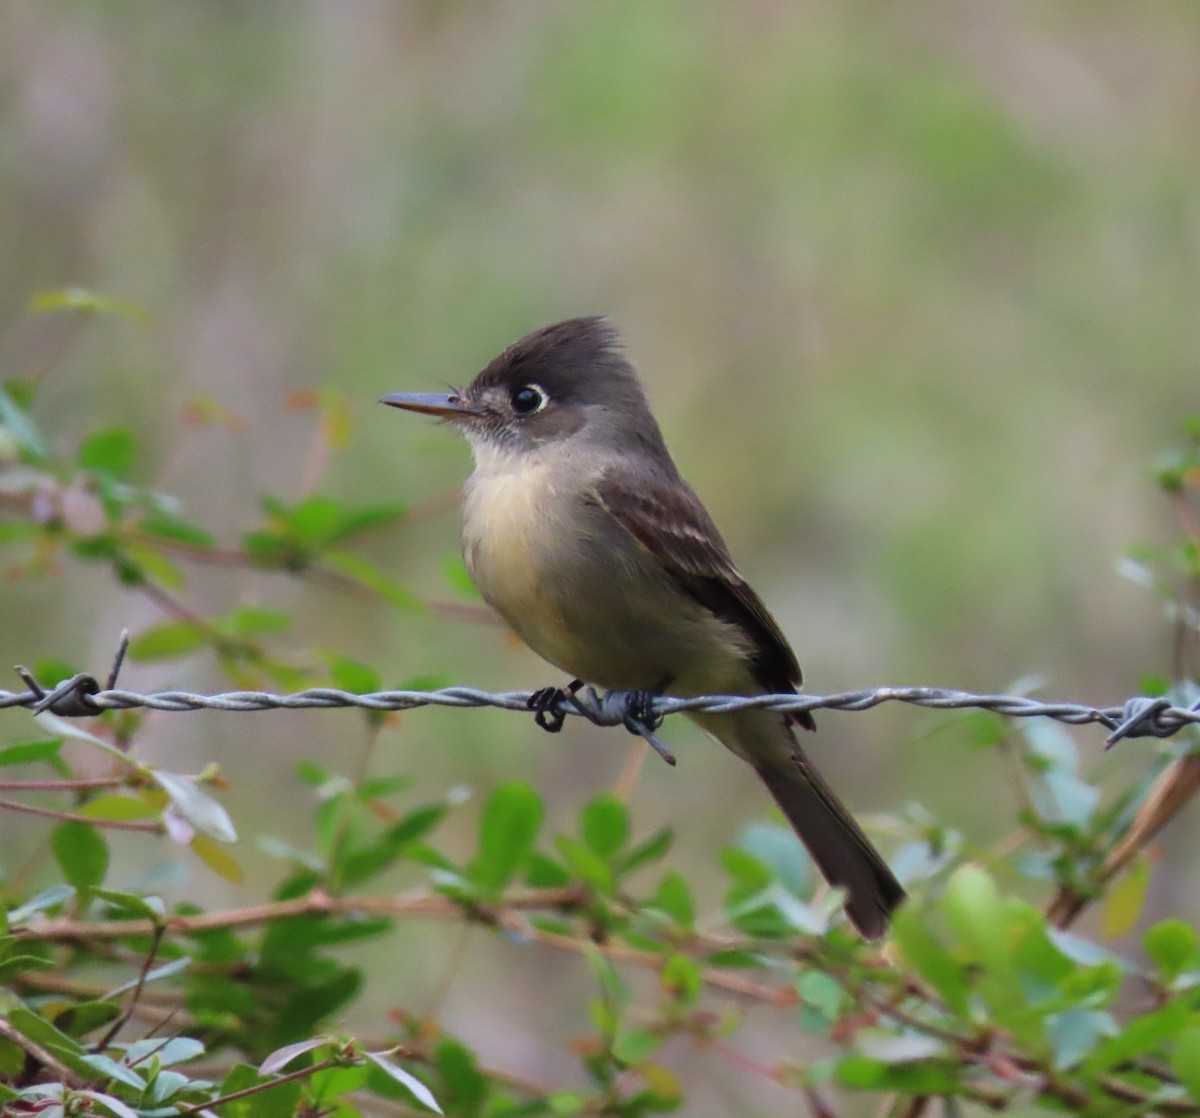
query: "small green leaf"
132, 907
511, 820
455, 573
251, 621
781, 851
1138, 1036
82, 1018
217, 858
364, 572
164, 527
112, 451
110, 1069
1185, 1060
466, 1087
351, 675
1172, 946
681, 978
81, 853
922, 952
605, 825
1125, 899
648, 850
674, 897
820, 993
167, 641
15, 420
28, 752
586, 865
86, 302
117, 807
633, 1046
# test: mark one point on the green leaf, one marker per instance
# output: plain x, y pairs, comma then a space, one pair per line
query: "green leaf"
364, 572
38, 1029
922, 952
28, 752
117, 807
356, 866
634, 1046
681, 979
604, 824
1172, 947
16, 421
977, 915
111, 451
781, 851
821, 996
647, 851
455, 573
674, 897
1138, 1036
132, 907
922, 1078
167, 641
365, 519
86, 302
82, 1018
217, 858
466, 1088
351, 675
511, 820
81, 853
586, 865
110, 1069
280, 1101
1185, 1060
250, 621
1125, 899
167, 1051
164, 527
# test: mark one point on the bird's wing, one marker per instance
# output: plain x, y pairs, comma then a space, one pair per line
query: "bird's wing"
669, 521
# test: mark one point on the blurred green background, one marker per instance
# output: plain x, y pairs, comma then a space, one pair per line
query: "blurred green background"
914, 289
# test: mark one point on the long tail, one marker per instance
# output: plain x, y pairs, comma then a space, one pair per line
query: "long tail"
836, 842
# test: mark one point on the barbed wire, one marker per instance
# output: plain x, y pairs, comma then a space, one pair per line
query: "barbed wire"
639, 712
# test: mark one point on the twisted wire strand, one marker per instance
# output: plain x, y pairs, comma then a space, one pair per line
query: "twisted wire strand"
1137, 717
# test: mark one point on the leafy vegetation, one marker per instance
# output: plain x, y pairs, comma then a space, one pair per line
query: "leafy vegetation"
116, 1004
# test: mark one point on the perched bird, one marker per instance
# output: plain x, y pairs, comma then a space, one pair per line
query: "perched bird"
580, 533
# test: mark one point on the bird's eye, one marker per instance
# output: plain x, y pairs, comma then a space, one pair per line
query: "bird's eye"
528, 399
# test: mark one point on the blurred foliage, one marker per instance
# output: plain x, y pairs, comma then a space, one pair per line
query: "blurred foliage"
913, 289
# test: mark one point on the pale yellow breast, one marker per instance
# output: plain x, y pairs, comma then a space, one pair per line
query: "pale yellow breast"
512, 516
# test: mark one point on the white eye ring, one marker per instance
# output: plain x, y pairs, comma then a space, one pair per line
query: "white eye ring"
529, 399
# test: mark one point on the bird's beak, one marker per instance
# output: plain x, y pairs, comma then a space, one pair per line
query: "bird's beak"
445, 406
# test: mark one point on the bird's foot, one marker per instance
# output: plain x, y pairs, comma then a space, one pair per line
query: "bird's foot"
546, 704
641, 717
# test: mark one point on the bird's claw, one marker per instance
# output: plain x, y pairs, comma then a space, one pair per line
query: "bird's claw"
546, 704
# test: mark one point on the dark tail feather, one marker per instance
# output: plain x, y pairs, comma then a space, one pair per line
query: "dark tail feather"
837, 844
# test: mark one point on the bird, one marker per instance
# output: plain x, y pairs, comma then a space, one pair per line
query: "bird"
580, 532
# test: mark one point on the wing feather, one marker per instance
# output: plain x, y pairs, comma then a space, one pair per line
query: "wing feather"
670, 522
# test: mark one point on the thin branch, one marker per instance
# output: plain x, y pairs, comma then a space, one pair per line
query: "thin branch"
150, 826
